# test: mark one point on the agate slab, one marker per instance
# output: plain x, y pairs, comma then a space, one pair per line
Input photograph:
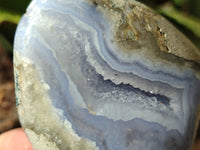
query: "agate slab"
105, 75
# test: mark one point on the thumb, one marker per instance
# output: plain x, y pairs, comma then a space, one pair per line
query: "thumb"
15, 140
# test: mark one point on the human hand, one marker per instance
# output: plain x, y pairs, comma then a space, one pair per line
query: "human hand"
15, 139
196, 145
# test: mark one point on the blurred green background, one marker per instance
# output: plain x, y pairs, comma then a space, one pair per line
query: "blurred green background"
18, 6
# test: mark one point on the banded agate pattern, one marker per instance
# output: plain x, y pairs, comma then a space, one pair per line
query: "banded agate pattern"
105, 74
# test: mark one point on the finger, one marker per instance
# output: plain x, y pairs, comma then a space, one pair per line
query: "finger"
196, 145
15, 140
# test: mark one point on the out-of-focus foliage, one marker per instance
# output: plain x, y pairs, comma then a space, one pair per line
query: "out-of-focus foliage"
7, 15
18, 6
190, 6
10, 14
181, 2
7, 31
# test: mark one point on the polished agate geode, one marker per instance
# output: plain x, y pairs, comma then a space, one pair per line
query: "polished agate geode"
105, 75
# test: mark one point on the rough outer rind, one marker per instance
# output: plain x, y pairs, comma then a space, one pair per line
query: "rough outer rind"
47, 133
129, 11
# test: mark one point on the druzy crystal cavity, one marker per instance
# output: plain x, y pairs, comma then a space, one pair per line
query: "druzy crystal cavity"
105, 75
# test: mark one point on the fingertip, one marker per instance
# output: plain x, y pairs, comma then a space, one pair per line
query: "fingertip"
15, 140
196, 145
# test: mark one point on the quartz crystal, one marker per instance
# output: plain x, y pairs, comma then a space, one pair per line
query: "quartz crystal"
105, 75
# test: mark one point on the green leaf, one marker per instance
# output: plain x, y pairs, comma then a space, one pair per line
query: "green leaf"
180, 2
18, 6
9, 16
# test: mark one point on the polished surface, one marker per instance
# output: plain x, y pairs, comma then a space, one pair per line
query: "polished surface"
113, 74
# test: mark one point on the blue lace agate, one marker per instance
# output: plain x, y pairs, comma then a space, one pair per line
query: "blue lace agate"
109, 75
